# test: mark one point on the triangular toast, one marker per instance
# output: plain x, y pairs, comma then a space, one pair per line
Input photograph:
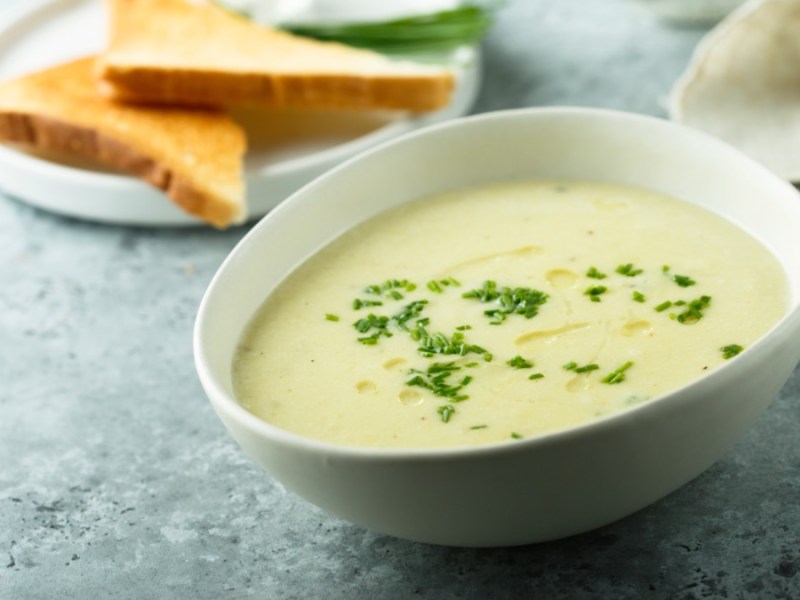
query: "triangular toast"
198, 54
195, 156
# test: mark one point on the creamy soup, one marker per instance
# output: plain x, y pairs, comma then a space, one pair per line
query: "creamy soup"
503, 312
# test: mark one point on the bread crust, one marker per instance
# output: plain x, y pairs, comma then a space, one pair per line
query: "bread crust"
198, 54
47, 133
219, 89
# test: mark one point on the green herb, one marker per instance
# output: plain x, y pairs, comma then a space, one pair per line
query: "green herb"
628, 270
438, 379
516, 435
439, 31
595, 291
681, 280
439, 343
638, 296
519, 363
390, 288
479, 427
437, 286
519, 301
380, 324
694, 312
731, 350
573, 366
463, 327
663, 306
330, 317
359, 303
445, 412
370, 322
408, 312
617, 375
536, 376
595, 274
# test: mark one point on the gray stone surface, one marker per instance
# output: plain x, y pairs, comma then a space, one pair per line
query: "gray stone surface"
118, 481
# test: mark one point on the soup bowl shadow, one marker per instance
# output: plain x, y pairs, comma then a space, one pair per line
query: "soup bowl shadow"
546, 487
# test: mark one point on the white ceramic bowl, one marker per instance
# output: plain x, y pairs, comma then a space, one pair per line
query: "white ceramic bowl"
540, 488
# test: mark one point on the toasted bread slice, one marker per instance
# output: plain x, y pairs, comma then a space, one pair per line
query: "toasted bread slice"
194, 156
197, 54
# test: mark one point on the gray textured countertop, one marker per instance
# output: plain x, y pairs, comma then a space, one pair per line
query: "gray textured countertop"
118, 481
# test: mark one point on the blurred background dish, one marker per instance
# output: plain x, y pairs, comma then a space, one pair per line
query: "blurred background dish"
697, 12
743, 84
287, 148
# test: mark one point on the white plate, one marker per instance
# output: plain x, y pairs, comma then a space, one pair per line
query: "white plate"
288, 148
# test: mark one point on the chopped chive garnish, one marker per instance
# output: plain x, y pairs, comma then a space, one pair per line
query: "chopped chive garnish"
628, 270
663, 306
445, 412
437, 380
617, 375
535, 376
516, 435
694, 312
358, 303
519, 363
463, 327
638, 296
381, 323
373, 322
439, 343
410, 311
438, 286
479, 427
390, 288
683, 280
595, 291
730, 350
330, 317
595, 274
516, 301
573, 366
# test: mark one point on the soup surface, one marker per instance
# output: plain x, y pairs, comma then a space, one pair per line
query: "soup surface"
503, 312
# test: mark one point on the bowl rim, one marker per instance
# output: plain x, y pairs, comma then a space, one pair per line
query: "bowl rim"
227, 405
